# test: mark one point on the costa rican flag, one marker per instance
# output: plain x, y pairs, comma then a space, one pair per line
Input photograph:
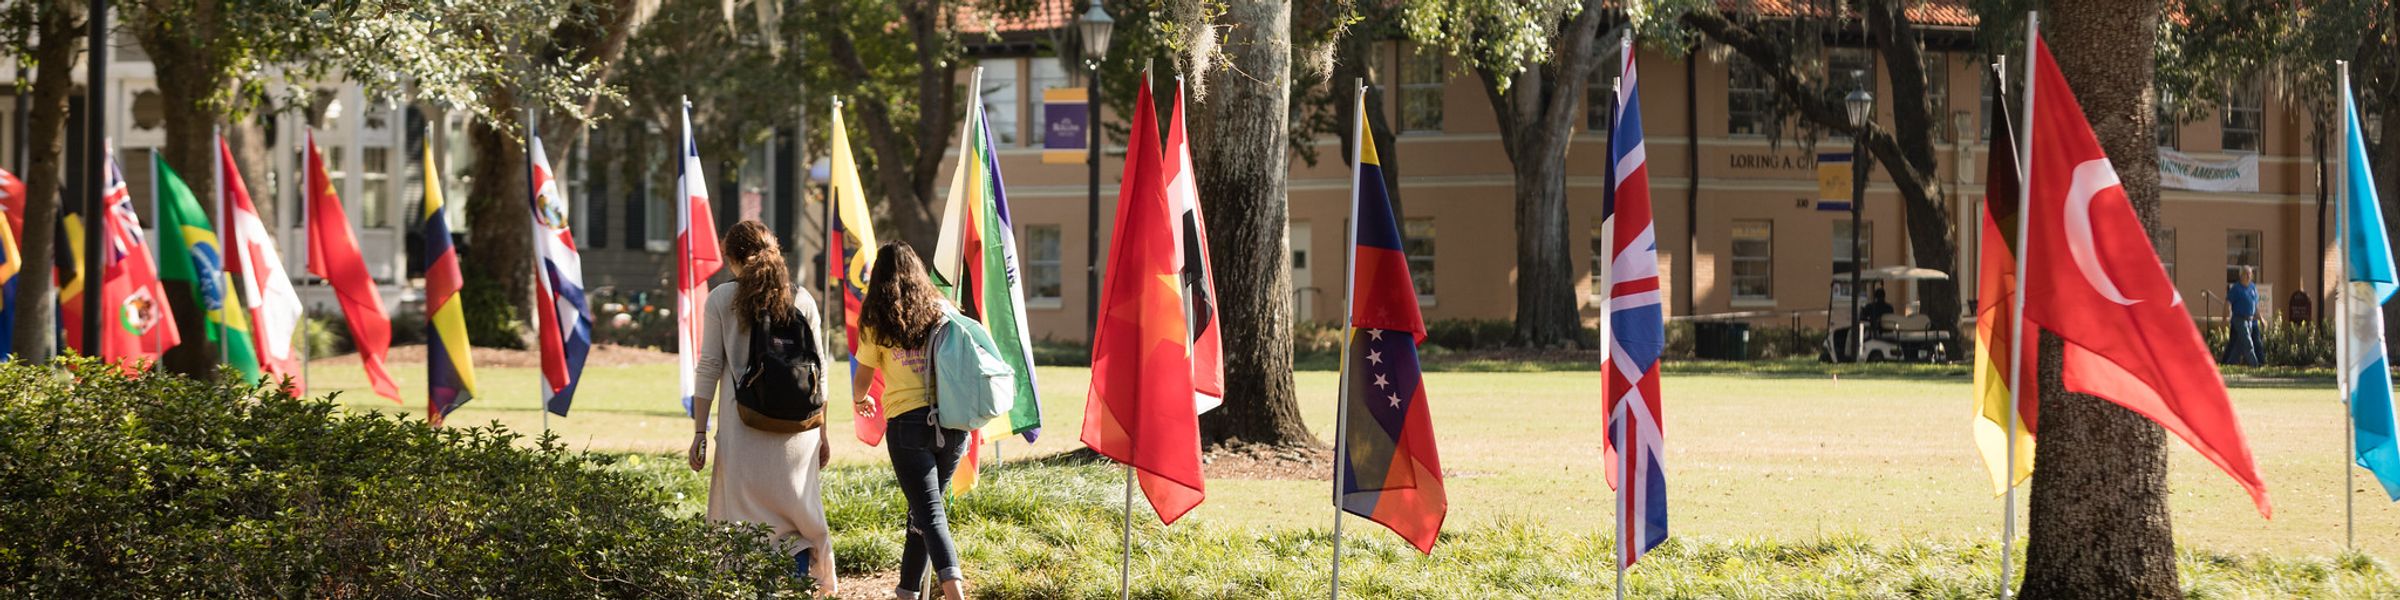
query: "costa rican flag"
1634, 333
565, 317
697, 260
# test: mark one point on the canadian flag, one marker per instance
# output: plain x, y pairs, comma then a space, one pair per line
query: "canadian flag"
2093, 279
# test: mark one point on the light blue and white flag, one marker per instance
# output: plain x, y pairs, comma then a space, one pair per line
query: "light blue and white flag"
2368, 271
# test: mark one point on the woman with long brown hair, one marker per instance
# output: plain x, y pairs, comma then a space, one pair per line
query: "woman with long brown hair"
763, 477
897, 321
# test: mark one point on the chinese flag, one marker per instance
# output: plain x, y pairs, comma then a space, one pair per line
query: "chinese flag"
2092, 278
1140, 408
333, 255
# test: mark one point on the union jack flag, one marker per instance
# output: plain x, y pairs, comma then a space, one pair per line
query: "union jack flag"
129, 234
1634, 335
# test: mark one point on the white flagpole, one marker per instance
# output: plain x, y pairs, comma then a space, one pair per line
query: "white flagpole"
533, 137
1608, 248
1125, 558
2341, 317
216, 223
2016, 333
1361, 136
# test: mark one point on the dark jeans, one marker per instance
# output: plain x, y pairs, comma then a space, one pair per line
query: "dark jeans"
924, 468
2244, 346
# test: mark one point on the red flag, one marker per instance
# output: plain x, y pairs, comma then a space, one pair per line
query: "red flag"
333, 255
257, 268
12, 201
1140, 407
2092, 279
1199, 283
135, 326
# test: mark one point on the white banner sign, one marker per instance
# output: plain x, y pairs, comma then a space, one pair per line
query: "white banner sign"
2179, 171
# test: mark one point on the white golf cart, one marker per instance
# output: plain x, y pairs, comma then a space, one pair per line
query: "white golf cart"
1895, 337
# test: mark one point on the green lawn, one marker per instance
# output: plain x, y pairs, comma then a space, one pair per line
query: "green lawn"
1776, 456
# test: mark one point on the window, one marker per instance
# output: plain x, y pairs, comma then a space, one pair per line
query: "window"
1042, 264
999, 95
2244, 107
1747, 98
1421, 85
2168, 137
2245, 248
1417, 242
658, 202
2166, 253
1753, 259
1597, 103
1937, 95
1047, 73
1844, 260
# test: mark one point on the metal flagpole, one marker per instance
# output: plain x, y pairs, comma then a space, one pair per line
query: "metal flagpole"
534, 195
216, 222
1608, 248
2341, 316
2016, 334
1125, 559
305, 355
1361, 136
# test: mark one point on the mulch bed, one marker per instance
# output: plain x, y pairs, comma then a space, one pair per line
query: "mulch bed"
1262, 462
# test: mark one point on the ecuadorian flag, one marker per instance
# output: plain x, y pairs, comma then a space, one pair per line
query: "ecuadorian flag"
1391, 471
449, 367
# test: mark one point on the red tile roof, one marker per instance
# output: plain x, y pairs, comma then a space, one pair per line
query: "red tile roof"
1944, 13
1045, 16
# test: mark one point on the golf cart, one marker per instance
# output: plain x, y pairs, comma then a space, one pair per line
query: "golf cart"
1893, 337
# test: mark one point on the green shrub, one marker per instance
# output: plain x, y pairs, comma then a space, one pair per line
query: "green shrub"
162, 486
639, 320
326, 336
2282, 343
1470, 334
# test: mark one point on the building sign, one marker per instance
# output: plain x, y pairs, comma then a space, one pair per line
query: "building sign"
1786, 162
1065, 114
2179, 171
1833, 181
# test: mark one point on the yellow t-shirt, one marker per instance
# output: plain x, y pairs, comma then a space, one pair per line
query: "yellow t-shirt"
903, 383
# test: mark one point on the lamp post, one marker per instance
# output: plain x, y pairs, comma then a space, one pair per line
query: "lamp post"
1861, 105
1096, 26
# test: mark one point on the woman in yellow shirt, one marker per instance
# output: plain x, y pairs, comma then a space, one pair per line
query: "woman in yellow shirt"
897, 320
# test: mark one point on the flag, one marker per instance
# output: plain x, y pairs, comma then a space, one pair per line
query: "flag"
1994, 314
564, 316
1392, 473
851, 247
1199, 282
449, 359
1637, 334
258, 273
333, 255
12, 204
135, 325
696, 259
2368, 271
975, 262
184, 226
2093, 280
1139, 410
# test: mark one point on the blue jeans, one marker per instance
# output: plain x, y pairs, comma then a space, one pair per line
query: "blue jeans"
923, 458
2243, 347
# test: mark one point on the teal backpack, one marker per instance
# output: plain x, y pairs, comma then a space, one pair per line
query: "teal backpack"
971, 383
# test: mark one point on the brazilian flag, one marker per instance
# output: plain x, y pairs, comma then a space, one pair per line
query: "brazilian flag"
183, 224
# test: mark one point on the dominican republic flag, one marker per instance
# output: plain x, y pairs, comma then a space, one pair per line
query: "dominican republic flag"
2093, 280
2368, 272
564, 316
1634, 334
449, 359
696, 259
1391, 471
258, 273
1199, 282
851, 247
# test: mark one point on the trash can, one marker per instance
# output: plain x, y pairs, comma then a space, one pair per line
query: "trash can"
1736, 344
1707, 343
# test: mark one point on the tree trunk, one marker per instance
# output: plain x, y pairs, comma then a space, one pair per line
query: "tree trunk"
2098, 526
61, 39
187, 81
1537, 119
1931, 232
905, 160
1242, 158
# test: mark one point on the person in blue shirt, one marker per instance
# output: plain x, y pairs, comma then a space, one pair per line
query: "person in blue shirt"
2242, 347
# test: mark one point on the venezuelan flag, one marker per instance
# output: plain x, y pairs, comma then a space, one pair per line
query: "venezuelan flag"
1391, 470
449, 366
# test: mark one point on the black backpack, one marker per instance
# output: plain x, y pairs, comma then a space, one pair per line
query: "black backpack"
779, 390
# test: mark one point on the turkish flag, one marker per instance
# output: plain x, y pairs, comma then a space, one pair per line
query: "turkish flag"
2093, 279
1140, 410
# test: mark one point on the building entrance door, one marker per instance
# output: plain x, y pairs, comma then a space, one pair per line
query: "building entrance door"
1304, 283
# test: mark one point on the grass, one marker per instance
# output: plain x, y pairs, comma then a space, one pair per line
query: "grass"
1785, 483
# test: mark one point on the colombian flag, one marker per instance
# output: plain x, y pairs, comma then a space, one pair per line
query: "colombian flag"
1391, 471
449, 364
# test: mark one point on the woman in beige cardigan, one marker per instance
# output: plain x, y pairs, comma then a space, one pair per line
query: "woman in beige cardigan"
763, 477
